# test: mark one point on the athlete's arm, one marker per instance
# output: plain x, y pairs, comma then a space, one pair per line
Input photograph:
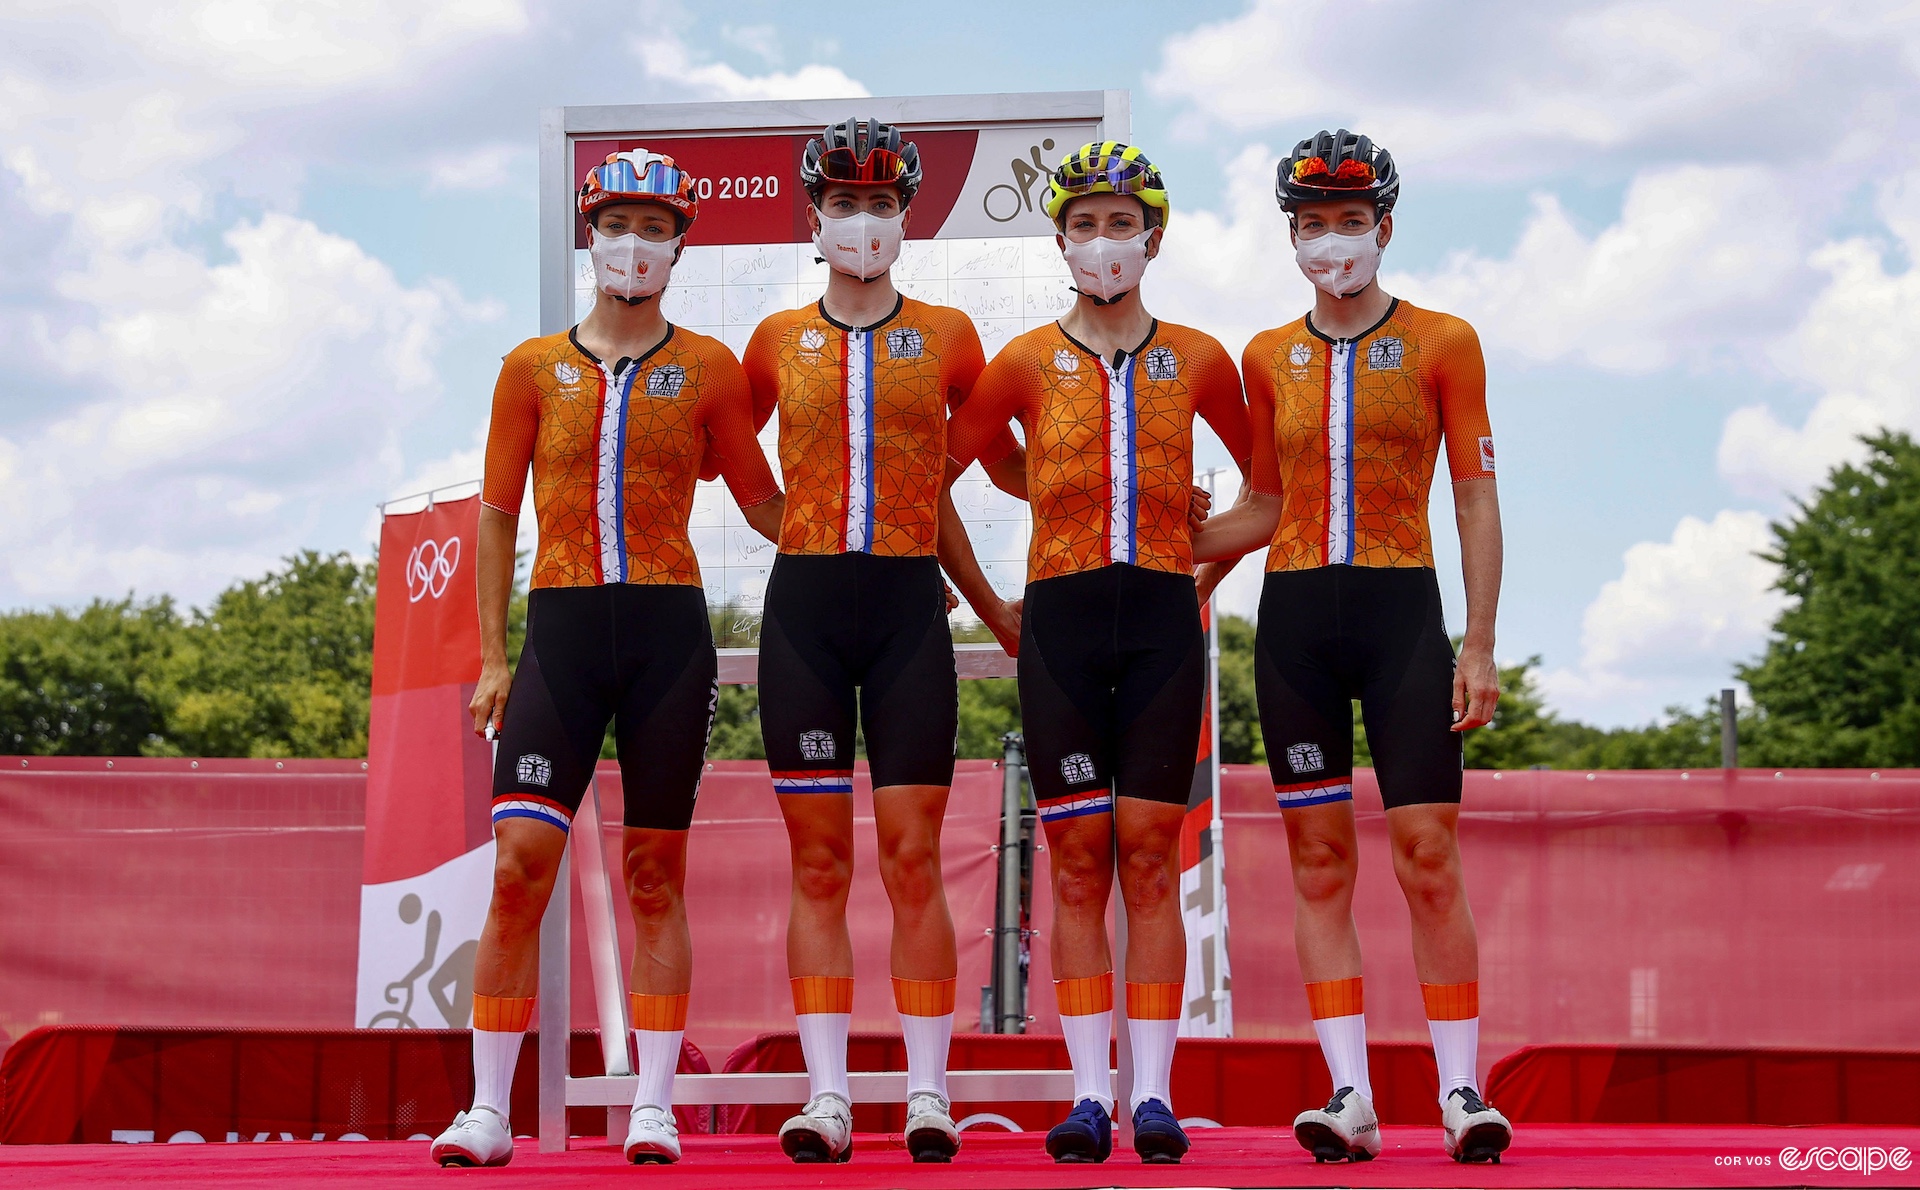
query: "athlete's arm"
1245, 426
963, 360
958, 560
1009, 473
1476, 679
511, 432
493, 571
1460, 374
726, 410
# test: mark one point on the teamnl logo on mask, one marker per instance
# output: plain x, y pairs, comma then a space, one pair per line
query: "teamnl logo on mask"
1862, 1159
430, 567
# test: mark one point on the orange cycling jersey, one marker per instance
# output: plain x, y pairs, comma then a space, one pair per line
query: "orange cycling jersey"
1357, 425
1110, 442
863, 419
615, 451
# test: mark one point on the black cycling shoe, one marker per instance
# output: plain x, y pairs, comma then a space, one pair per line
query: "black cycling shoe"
1157, 1136
1084, 1137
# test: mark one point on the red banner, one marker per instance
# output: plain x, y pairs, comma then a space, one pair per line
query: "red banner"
427, 774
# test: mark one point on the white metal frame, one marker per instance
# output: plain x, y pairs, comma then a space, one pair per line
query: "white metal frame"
1110, 111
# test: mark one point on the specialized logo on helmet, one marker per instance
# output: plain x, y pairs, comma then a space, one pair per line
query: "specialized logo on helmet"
1305, 758
1066, 361
905, 343
1077, 768
812, 339
666, 380
1383, 355
1486, 454
533, 769
1161, 364
817, 745
430, 567
566, 373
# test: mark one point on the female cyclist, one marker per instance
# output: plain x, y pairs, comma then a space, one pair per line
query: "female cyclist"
863, 381
1111, 669
1357, 397
614, 416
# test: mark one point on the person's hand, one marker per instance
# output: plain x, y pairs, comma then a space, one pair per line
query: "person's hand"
1003, 620
1476, 687
953, 600
1200, 508
1207, 576
489, 705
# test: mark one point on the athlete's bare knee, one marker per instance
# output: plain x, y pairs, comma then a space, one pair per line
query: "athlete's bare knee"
1146, 879
1081, 880
651, 888
822, 871
1427, 865
910, 870
1323, 870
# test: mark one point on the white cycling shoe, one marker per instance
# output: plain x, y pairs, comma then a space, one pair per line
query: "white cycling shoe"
1344, 1130
652, 1136
822, 1132
476, 1137
1475, 1131
931, 1136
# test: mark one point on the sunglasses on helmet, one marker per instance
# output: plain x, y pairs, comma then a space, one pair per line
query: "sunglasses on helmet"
619, 177
841, 165
1354, 175
1123, 177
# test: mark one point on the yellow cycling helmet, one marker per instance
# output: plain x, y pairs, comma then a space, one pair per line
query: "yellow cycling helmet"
1106, 167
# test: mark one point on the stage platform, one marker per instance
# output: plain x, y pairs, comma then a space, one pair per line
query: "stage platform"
1569, 1155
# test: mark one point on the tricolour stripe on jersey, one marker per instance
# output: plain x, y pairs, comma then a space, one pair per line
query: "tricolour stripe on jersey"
815, 781
859, 382
1123, 464
609, 486
1314, 793
1340, 372
1097, 801
534, 808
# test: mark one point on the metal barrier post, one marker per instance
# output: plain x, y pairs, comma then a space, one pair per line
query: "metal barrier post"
1009, 1011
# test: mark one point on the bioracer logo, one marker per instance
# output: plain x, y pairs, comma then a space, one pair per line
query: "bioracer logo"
1077, 768
534, 769
905, 343
1161, 364
817, 745
1305, 758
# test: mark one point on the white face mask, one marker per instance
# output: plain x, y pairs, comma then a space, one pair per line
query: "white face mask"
860, 245
627, 266
1105, 268
1341, 265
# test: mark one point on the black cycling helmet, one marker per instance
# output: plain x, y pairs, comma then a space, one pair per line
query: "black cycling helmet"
1335, 165
861, 153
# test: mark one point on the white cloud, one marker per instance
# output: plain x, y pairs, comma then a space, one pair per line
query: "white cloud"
1701, 260
482, 168
760, 40
668, 59
1505, 90
1682, 613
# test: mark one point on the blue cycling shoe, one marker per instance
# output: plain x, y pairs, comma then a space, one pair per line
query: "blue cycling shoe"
1084, 1137
1157, 1136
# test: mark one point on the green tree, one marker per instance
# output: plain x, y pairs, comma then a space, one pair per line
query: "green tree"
278, 666
86, 683
1240, 739
1839, 683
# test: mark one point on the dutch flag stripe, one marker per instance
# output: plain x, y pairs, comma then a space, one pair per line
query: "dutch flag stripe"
609, 496
519, 807
1314, 793
1122, 463
1340, 374
813, 782
1096, 802
859, 441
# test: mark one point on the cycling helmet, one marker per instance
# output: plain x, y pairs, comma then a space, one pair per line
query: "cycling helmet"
1335, 165
860, 153
640, 176
1107, 167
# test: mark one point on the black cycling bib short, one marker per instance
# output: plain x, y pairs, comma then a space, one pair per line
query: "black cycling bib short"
638, 655
837, 622
1112, 688
1331, 634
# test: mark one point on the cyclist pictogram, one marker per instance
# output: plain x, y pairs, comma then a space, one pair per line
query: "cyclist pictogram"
451, 986
1007, 201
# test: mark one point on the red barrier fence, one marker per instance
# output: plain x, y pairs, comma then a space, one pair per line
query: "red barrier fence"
1620, 908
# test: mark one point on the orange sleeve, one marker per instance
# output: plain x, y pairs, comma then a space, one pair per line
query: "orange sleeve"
1460, 375
1217, 397
964, 360
725, 411
1005, 387
762, 364
1256, 367
511, 432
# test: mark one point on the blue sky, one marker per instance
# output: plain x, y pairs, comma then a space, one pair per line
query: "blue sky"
258, 261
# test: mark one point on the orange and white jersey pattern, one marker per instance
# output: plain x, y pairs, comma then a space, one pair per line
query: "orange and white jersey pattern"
863, 417
615, 451
1357, 426
1110, 442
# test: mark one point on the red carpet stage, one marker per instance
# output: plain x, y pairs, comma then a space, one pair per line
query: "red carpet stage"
1546, 1155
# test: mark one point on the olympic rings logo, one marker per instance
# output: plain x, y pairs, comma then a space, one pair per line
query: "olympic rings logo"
430, 566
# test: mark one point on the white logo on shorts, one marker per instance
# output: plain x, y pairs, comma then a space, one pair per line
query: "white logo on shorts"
1305, 758
1077, 768
534, 769
817, 745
